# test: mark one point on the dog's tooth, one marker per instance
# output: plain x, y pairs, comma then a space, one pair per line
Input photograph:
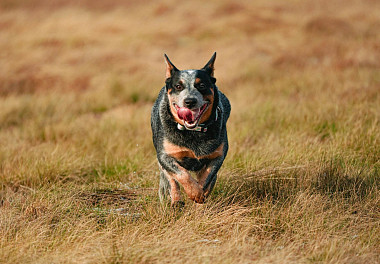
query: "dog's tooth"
180, 127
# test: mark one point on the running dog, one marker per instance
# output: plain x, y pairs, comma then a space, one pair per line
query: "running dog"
189, 132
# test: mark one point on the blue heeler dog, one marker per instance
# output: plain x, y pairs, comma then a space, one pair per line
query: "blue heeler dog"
189, 132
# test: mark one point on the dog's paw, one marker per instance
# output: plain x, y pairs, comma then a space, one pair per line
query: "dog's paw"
178, 205
200, 197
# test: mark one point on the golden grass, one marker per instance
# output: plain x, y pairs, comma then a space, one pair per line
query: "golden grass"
78, 173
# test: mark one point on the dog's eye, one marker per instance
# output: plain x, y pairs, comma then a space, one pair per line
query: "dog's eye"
202, 86
178, 87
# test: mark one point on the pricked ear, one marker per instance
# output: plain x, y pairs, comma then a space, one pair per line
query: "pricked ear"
170, 68
209, 67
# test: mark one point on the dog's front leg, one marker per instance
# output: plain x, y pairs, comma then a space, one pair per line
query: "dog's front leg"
190, 185
174, 189
176, 173
207, 175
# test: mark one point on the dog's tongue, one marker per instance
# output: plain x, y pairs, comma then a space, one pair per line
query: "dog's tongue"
185, 114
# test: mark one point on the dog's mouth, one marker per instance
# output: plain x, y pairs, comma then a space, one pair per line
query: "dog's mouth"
190, 117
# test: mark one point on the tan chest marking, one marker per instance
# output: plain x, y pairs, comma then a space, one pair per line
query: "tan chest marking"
179, 153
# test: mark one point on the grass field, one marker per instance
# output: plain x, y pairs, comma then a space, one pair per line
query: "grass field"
78, 173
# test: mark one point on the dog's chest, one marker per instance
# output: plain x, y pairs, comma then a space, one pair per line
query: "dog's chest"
181, 153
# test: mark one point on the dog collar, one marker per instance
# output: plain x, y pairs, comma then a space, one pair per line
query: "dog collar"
201, 127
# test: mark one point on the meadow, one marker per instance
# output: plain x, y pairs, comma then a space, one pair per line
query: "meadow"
78, 171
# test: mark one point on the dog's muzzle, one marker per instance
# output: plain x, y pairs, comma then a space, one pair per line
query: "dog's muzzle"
190, 117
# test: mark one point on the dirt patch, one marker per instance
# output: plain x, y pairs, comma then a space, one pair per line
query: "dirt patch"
108, 197
116, 197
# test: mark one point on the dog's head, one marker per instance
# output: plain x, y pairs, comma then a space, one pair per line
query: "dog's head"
190, 93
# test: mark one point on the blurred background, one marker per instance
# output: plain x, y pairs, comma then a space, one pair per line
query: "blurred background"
74, 46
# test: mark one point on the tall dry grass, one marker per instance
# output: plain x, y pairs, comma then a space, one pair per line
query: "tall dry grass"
78, 173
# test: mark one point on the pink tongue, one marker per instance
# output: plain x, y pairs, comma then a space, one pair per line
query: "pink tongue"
185, 114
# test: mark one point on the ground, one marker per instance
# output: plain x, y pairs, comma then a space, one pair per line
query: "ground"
78, 173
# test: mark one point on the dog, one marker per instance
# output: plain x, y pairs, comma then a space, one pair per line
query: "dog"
188, 123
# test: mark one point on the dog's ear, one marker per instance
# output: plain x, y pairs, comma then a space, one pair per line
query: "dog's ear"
170, 68
209, 67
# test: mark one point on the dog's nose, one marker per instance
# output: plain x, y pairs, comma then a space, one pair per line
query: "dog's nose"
190, 102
